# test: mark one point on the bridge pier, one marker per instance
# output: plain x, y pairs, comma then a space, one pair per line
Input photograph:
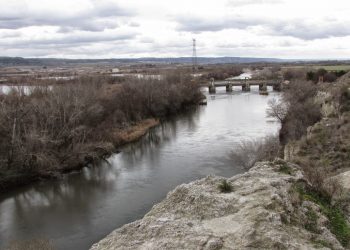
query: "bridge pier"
212, 88
263, 87
246, 87
229, 87
277, 87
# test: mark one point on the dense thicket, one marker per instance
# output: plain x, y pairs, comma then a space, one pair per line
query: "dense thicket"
220, 72
302, 110
61, 127
312, 75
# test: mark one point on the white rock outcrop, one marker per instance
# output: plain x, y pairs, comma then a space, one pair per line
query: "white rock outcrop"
258, 214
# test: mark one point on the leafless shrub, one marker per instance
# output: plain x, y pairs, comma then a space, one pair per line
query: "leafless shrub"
321, 180
269, 73
249, 152
302, 110
221, 72
53, 127
277, 109
292, 74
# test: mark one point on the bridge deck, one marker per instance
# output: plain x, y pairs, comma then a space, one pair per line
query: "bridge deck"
237, 82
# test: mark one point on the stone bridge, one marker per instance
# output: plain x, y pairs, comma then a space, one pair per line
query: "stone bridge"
245, 84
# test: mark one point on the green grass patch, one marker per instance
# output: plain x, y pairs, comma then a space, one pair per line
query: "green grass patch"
225, 187
322, 244
333, 67
311, 221
338, 224
344, 67
284, 168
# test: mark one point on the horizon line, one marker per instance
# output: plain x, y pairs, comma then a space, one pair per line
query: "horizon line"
178, 57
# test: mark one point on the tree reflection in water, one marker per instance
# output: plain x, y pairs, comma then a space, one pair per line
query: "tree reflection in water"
159, 136
83, 207
73, 196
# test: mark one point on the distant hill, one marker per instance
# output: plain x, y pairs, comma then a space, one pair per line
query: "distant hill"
20, 61
208, 60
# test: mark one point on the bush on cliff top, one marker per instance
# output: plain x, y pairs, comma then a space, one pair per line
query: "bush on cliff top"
225, 187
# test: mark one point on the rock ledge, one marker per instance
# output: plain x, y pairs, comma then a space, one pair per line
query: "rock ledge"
258, 214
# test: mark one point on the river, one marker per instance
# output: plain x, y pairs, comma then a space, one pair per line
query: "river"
83, 207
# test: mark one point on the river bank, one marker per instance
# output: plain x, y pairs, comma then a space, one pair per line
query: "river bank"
275, 205
120, 138
184, 147
63, 128
265, 210
134, 132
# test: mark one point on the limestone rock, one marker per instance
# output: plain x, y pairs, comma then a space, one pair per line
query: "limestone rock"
343, 191
291, 150
257, 214
344, 180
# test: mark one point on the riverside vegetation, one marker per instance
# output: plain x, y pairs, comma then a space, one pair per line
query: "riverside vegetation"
315, 135
296, 203
303, 202
65, 127
299, 202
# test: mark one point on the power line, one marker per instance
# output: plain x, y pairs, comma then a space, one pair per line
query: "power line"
194, 56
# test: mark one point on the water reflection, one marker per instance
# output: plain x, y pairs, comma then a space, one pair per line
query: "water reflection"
83, 207
162, 134
22, 89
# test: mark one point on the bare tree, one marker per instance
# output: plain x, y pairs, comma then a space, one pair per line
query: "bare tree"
277, 109
248, 152
58, 128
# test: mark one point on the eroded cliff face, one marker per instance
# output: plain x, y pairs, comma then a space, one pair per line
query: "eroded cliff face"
265, 210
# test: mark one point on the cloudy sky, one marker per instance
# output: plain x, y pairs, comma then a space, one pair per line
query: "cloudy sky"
318, 29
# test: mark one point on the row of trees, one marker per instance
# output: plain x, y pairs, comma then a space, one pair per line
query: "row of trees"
221, 72
312, 75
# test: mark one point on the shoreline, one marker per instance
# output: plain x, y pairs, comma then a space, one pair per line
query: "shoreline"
134, 132
121, 137
264, 209
281, 204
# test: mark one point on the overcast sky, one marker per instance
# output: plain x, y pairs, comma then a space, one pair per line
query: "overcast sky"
317, 29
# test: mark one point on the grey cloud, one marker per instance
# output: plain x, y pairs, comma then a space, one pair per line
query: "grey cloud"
255, 44
9, 34
65, 25
101, 16
306, 30
197, 25
94, 25
111, 10
133, 24
238, 3
146, 40
301, 29
69, 40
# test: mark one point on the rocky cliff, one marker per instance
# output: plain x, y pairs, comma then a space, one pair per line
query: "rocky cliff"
269, 207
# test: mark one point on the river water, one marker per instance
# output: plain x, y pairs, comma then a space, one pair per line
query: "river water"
84, 207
